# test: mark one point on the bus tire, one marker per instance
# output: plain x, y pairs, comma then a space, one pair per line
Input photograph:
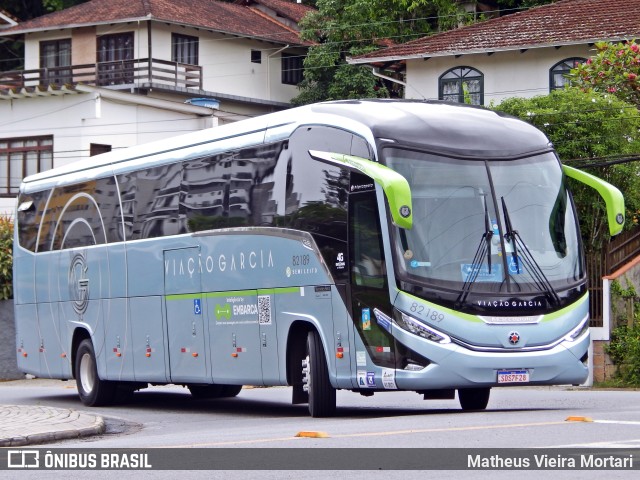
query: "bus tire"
474, 398
322, 396
93, 391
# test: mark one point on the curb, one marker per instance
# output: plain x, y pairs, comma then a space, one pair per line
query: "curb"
45, 424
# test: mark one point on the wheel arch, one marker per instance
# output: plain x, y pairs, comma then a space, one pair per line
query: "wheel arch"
296, 349
79, 334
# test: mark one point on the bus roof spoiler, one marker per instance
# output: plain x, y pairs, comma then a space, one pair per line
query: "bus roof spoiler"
613, 198
394, 185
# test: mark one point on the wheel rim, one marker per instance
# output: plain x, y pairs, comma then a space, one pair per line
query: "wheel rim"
87, 377
306, 374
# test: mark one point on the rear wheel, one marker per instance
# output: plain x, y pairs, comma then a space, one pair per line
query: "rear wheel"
92, 390
474, 398
315, 374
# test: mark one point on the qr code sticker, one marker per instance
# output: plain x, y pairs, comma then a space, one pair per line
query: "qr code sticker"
264, 309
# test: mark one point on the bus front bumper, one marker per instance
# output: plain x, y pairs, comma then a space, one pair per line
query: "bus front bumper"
454, 366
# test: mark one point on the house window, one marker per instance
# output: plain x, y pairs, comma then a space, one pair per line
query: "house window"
558, 73
98, 148
184, 49
462, 85
115, 59
54, 56
256, 56
291, 69
20, 157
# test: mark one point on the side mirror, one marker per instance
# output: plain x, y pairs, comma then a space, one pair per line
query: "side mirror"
395, 186
613, 198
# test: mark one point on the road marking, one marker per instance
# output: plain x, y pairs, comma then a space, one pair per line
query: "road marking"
635, 443
374, 434
618, 422
579, 419
312, 434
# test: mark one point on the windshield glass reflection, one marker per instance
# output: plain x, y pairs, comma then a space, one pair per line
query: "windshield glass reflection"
460, 236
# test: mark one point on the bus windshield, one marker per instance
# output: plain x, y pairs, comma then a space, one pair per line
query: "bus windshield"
487, 225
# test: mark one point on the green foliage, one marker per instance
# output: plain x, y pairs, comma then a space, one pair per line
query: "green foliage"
506, 4
346, 28
6, 258
624, 350
584, 125
615, 69
624, 346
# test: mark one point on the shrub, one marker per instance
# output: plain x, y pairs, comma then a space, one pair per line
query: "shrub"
6, 258
589, 125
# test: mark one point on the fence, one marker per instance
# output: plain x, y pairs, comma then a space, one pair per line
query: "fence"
123, 72
619, 251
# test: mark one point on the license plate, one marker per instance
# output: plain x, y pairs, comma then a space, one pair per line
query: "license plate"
513, 376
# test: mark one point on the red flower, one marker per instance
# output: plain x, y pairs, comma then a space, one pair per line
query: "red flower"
632, 77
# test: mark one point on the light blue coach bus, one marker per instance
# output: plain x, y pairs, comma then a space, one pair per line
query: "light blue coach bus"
359, 245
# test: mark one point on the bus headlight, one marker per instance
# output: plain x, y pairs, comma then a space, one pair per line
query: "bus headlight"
577, 332
416, 327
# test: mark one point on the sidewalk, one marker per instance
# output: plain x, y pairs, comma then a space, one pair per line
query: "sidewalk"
31, 424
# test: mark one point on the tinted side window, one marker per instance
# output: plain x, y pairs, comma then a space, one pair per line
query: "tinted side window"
233, 189
81, 215
151, 201
204, 193
317, 192
30, 211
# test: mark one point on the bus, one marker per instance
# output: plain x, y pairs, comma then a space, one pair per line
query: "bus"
370, 246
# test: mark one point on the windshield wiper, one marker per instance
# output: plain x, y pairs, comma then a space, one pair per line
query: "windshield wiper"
510, 234
540, 279
483, 248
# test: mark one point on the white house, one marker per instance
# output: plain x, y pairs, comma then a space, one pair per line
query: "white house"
107, 75
519, 55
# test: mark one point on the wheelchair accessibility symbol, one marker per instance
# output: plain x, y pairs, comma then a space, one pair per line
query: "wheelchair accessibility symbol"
197, 308
515, 265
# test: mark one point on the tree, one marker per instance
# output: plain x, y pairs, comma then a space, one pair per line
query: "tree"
6, 258
342, 28
615, 68
345, 28
589, 125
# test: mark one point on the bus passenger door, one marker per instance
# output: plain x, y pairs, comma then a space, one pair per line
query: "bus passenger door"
184, 307
235, 337
374, 345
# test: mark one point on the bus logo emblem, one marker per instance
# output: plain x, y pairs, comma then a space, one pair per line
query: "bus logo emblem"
79, 284
514, 338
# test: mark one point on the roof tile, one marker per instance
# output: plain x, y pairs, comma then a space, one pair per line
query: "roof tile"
208, 14
561, 23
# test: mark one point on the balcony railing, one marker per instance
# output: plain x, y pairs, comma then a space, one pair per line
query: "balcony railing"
123, 72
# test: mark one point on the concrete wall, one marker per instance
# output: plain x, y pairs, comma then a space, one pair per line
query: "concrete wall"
8, 365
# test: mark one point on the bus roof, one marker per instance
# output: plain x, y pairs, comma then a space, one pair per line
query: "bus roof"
452, 129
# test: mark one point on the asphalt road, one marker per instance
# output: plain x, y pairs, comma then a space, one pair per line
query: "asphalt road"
531, 417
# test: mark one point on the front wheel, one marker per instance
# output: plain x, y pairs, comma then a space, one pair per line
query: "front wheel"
474, 398
315, 374
92, 390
